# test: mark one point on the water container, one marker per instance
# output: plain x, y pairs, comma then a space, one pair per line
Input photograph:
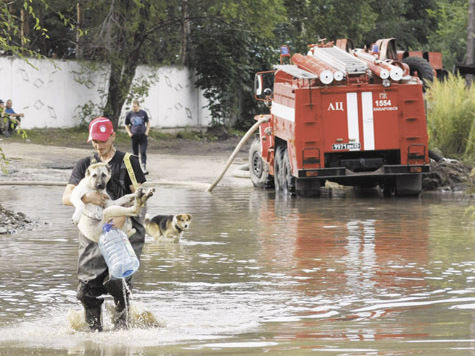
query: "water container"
118, 252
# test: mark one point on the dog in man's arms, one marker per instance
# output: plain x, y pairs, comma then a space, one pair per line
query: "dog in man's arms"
167, 227
91, 218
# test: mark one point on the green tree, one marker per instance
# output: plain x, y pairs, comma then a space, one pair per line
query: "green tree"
58, 19
125, 34
293, 30
224, 41
450, 37
17, 20
470, 57
215, 38
362, 21
312, 20
229, 43
406, 20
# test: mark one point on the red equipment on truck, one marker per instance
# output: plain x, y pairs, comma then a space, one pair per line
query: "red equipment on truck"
349, 118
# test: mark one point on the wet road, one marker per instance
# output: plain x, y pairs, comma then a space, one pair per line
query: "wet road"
342, 274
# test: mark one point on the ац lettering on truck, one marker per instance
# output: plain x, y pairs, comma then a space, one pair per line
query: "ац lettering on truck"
344, 117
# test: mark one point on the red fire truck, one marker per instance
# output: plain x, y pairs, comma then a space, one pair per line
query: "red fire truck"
344, 117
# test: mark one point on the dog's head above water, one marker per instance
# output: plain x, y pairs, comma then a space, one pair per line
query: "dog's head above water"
98, 174
182, 221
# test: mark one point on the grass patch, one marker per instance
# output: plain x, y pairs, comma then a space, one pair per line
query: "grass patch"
451, 118
77, 136
69, 137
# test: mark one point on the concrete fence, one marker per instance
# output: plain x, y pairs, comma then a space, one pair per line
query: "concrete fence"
51, 93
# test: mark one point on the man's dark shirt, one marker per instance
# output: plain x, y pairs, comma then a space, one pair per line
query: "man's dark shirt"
137, 121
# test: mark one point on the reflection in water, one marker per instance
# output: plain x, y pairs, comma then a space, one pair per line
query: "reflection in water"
360, 263
256, 273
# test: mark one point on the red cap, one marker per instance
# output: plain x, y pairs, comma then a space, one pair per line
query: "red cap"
100, 129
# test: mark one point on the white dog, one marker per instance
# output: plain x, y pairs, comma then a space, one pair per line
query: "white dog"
91, 218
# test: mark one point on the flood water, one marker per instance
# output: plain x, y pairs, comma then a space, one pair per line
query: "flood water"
345, 274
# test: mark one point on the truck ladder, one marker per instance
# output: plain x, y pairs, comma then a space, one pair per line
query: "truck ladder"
340, 60
295, 71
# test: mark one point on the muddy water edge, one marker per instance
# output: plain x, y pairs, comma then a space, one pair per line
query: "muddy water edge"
347, 273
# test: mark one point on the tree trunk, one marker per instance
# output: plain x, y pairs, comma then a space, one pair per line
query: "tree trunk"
121, 76
123, 65
113, 95
186, 32
470, 38
78, 30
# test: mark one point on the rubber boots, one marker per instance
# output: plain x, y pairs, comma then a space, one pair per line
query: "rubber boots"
93, 318
121, 316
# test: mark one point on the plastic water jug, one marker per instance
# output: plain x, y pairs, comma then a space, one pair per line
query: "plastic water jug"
118, 252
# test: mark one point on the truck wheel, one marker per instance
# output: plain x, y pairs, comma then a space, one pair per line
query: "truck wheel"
408, 185
283, 179
423, 68
258, 168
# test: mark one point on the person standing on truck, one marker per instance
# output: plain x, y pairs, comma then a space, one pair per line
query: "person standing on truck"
137, 125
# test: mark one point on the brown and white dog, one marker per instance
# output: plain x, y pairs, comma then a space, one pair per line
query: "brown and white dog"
167, 227
91, 218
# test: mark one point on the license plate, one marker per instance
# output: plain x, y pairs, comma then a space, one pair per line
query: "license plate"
346, 146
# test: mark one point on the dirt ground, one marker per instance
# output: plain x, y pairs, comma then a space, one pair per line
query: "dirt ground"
179, 162
194, 163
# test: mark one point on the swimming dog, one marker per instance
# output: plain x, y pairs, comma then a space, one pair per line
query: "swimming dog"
168, 227
91, 218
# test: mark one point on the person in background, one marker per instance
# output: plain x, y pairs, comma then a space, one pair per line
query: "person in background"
137, 125
14, 119
93, 274
3, 120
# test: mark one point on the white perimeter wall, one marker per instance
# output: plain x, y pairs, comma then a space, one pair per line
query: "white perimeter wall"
50, 95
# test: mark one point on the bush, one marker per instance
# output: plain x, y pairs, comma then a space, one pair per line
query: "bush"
451, 118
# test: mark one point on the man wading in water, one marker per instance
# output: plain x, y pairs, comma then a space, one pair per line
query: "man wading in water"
93, 275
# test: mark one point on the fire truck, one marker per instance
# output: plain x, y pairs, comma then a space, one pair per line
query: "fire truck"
344, 116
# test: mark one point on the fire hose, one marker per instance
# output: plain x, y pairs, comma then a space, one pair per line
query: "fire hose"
237, 149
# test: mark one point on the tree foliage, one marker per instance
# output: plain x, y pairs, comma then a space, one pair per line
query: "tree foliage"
224, 41
450, 36
228, 44
406, 20
17, 20
123, 34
